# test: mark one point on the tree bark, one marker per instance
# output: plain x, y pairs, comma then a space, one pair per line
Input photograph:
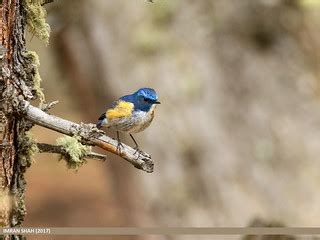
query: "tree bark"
16, 83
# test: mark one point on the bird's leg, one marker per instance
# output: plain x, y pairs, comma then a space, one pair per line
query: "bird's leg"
135, 142
119, 146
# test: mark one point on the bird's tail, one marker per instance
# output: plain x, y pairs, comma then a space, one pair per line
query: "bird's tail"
102, 121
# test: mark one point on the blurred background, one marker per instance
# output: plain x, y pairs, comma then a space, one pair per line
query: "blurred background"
236, 139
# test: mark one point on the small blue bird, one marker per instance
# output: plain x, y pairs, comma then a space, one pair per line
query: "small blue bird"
131, 113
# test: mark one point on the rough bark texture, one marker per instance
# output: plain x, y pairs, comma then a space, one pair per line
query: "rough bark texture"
16, 83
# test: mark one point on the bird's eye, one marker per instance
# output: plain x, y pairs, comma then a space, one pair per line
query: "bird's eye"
146, 99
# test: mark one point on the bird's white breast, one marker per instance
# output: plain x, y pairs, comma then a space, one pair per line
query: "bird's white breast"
142, 120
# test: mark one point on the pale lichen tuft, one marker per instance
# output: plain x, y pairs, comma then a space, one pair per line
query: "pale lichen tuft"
33, 58
75, 151
36, 19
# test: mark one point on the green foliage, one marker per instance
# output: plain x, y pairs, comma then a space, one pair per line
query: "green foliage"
147, 40
75, 151
152, 35
310, 3
163, 12
36, 19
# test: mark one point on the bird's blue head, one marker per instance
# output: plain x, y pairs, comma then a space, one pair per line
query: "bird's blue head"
143, 99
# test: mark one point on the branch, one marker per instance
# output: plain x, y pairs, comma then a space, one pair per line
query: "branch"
47, 106
89, 135
48, 148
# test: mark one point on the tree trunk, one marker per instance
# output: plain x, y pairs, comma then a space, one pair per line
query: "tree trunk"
18, 73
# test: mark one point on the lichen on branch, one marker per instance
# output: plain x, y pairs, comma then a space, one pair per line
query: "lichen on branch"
75, 151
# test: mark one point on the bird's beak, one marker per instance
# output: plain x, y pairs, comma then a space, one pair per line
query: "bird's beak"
157, 102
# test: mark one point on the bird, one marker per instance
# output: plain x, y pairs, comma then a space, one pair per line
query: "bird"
131, 113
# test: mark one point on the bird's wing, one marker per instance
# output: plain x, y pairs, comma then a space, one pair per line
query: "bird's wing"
120, 109
103, 116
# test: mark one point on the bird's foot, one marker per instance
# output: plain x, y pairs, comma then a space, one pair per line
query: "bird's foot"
137, 150
119, 146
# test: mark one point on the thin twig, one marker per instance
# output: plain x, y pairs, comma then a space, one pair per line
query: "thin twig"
47, 106
49, 148
89, 135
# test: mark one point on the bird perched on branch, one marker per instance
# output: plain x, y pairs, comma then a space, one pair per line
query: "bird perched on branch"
131, 113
